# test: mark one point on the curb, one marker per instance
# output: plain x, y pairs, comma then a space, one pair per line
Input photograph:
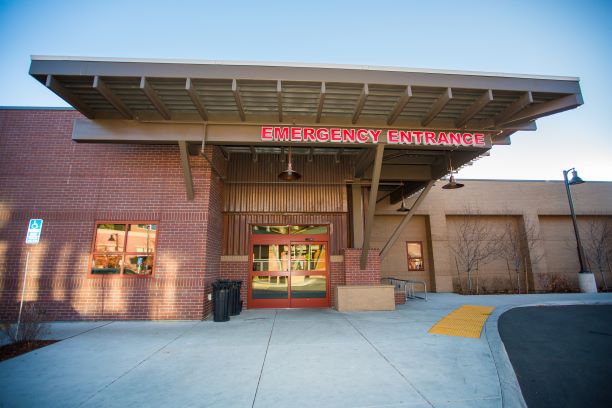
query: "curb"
511, 394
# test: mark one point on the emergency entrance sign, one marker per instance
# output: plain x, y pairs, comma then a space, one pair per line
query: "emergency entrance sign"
34, 230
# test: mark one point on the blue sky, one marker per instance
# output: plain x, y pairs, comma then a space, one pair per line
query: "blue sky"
571, 38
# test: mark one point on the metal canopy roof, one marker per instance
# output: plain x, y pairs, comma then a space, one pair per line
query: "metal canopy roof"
241, 92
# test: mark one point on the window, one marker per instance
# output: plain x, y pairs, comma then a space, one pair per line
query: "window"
415, 256
124, 249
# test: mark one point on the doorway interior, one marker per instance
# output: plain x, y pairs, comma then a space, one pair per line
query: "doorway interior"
289, 266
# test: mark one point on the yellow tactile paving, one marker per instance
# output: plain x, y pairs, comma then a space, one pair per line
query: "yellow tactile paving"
465, 321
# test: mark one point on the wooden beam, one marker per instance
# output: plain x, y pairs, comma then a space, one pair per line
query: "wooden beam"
521, 103
186, 169
369, 221
476, 107
148, 90
339, 153
363, 162
238, 99
360, 103
502, 138
100, 86
400, 105
437, 107
321, 102
405, 220
536, 111
357, 214
195, 98
279, 99
54, 85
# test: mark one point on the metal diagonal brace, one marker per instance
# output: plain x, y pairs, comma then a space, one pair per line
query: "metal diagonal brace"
380, 149
404, 222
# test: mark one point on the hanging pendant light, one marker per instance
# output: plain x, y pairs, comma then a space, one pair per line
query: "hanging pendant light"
403, 207
289, 174
452, 184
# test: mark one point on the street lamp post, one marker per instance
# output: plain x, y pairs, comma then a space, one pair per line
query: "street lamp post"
586, 279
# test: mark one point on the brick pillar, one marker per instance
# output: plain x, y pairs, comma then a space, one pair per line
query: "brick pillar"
354, 275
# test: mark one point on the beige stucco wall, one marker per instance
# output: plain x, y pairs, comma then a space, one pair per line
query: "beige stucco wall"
540, 203
395, 264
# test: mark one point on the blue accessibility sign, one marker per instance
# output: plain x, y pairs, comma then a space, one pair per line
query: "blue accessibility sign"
34, 231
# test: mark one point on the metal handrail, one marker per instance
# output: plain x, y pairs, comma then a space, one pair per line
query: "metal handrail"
407, 285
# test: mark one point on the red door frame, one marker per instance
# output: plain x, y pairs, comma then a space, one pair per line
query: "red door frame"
288, 239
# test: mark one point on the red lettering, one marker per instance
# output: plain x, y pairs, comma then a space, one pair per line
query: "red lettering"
479, 139
430, 138
455, 138
296, 134
362, 135
418, 134
336, 134
348, 135
281, 133
323, 135
392, 137
442, 138
406, 137
467, 139
266, 133
375, 135
309, 134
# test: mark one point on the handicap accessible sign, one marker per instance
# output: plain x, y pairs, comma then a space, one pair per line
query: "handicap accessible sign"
34, 230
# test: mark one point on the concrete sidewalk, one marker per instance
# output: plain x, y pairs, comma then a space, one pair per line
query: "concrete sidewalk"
277, 358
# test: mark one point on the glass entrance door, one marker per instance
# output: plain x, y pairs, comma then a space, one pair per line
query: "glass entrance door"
288, 270
309, 274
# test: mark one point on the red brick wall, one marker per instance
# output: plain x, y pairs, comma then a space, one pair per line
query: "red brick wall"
400, 297
44, 174
354, 275
336, 272
237, 270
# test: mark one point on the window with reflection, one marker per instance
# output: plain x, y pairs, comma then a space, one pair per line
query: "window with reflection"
308, 229
124, 249
271, 258
415, 256
309, 286
269, 287
308, 257
270, 229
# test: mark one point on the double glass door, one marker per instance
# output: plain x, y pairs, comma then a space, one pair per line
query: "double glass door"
288, 273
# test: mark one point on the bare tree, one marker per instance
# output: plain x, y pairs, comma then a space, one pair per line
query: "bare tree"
476, 244
517, 248
598, 246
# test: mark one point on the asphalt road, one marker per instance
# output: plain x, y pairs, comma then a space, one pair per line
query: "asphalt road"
562, 355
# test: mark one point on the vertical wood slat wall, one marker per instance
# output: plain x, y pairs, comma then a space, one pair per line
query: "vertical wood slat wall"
252, 195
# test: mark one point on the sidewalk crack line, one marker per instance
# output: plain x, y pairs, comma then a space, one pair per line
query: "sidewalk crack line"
380, 353
138, 364
264, 360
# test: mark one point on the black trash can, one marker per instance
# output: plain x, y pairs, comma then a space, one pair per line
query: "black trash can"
220, 302
235, 306
231, 295
238, 303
